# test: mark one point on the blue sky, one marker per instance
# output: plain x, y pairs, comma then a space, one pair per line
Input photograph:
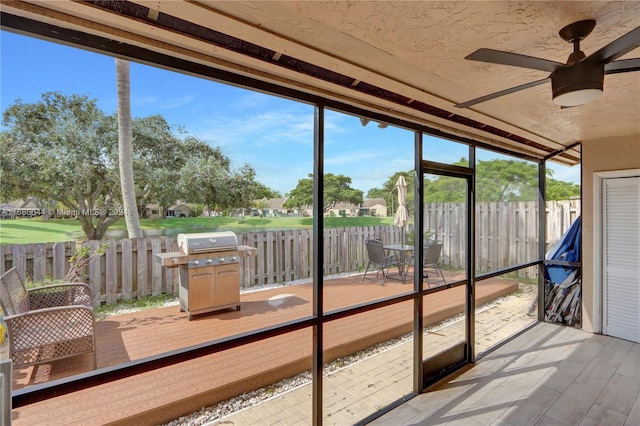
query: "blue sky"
272, 134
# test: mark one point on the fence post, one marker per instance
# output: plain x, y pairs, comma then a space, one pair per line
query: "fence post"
59, 260
39, 262
156, 268
111, 271
95, 273
127, 269
142, 268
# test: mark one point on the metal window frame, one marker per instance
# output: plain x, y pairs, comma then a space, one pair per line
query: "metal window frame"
467, 350
70, 37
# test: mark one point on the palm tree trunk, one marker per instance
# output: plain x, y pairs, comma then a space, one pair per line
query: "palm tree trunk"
125, 151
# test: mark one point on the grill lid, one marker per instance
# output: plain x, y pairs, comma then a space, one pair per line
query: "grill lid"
206, 242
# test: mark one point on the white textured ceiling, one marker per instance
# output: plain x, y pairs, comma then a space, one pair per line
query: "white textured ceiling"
414, 49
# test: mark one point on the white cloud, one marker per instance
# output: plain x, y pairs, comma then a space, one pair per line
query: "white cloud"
258, 130
177, 102
171, 103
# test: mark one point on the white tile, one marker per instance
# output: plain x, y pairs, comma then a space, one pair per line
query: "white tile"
548, 421
599, 415
620, 394
630, 366
531, 407
562, 375
634, 416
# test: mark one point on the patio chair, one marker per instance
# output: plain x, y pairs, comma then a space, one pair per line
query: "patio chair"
46, 323
380, 261
432, 260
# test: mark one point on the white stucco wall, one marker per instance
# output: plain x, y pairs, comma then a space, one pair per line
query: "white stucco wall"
620, 153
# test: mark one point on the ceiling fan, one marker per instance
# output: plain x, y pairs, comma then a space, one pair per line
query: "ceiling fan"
576, 82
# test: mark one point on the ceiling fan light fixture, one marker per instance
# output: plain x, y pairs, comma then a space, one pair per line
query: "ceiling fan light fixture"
577, 97
577, 85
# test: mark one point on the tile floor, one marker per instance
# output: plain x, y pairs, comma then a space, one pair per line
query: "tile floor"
551, 375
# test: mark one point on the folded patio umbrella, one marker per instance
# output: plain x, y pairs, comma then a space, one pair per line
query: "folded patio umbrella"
567, 249
563, 283
402, 215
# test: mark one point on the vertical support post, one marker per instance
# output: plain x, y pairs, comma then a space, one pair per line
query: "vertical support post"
470, 334
5, 392
542, 234
418, 279
582, 307
318, 261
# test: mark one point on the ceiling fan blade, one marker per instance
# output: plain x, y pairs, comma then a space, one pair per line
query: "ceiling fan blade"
624, 65
514, 59
616, 48
501, 93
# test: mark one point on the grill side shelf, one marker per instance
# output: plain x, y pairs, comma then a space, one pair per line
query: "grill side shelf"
177, 258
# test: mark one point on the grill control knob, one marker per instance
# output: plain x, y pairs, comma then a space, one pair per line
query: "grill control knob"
221, 260
196, 262
233, 258
209, 261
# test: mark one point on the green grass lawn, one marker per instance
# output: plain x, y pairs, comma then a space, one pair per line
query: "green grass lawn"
23, 231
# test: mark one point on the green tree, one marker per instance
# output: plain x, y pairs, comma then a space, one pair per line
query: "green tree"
157, 159
263, 191
506, 180
301, 195
560, 190
171, 167
337, 188
242, 187
496, 180
64, 149
209, 179
445, 189
58, 151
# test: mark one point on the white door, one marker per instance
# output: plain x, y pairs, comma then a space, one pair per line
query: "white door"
621, 258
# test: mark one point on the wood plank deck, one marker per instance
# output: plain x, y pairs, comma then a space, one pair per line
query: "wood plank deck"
167, 393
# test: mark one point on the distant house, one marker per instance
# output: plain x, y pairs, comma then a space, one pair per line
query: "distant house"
343, 209
271, 207
152, 211
7, 211
179, 210
374, 207
369, 207
304, 211
275, 207
19, 209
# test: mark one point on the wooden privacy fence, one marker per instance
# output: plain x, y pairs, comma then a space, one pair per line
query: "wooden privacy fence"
287, 255
506, 235
129, 268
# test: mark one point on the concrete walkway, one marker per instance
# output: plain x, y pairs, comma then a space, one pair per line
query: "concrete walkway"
363, 388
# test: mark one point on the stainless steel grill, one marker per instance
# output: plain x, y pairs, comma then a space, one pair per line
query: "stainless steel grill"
209, 271
207, 242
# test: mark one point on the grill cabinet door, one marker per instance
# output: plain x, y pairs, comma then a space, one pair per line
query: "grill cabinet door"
202, 288
227, 284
